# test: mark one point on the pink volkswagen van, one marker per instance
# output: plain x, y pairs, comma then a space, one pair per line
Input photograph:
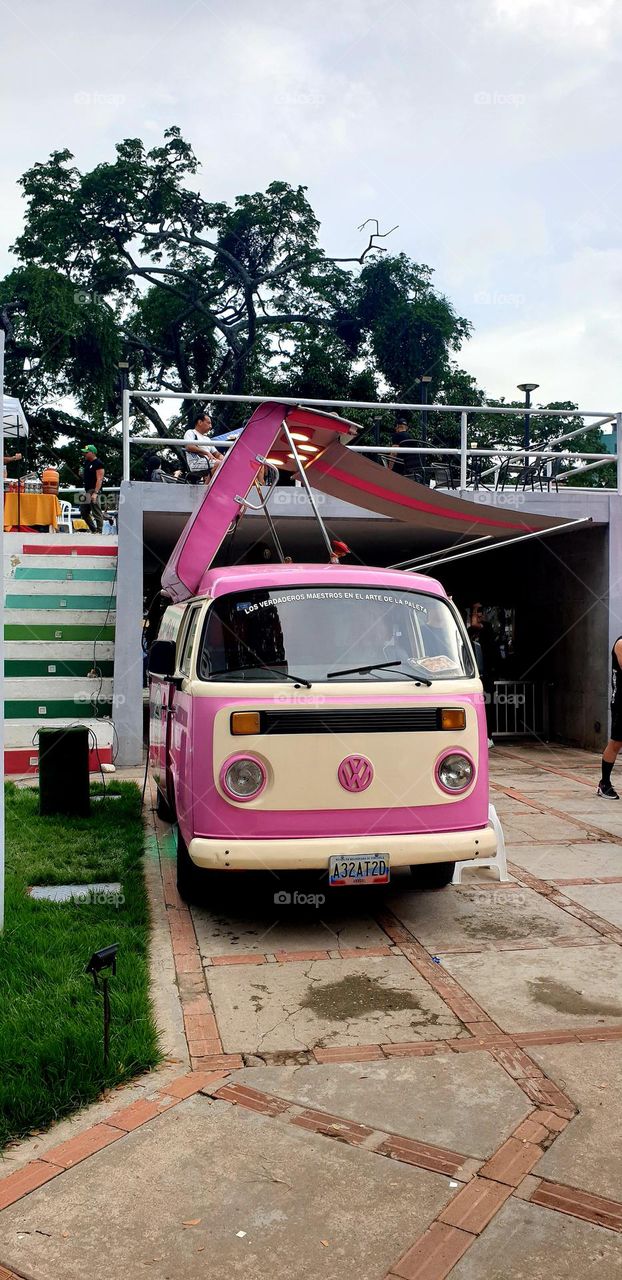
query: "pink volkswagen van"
313, 716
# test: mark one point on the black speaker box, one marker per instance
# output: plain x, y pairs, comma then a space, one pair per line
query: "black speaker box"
64, 771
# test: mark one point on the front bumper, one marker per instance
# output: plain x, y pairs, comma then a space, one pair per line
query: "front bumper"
313, 854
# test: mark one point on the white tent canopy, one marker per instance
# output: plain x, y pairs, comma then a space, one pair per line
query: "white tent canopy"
14, 421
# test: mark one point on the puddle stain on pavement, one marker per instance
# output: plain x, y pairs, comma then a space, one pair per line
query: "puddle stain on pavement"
564, 999
535, 926
358, 994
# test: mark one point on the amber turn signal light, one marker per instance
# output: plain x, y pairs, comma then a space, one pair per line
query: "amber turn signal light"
453, 718
245, 722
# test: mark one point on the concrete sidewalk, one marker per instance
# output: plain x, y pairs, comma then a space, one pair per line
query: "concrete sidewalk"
396, 1084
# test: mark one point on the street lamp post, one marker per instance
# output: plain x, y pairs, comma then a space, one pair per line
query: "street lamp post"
527, 387
425, 382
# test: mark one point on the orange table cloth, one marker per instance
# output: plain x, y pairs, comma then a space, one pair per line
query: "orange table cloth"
34, 508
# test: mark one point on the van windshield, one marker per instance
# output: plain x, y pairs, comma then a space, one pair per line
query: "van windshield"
311, 631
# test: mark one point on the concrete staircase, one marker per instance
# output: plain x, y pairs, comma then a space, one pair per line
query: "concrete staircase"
59, 626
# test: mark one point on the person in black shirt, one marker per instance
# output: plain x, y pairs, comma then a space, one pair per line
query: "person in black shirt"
93, 479
610, 754
405, 464
486, 650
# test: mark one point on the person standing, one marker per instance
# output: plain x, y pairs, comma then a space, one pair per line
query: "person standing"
485, 649
610, 754
405, 464
202, 457
92, 479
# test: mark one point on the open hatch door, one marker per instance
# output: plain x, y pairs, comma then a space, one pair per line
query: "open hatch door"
314, 444
263, 440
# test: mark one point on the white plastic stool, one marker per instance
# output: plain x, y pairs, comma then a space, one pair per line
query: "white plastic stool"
498, 862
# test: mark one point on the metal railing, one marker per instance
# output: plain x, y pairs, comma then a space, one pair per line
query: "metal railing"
521, 709
464, 453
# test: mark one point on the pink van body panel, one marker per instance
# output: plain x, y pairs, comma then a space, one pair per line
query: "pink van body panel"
256, 577
202, 811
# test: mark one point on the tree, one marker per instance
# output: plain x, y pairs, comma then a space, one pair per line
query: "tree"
129, 261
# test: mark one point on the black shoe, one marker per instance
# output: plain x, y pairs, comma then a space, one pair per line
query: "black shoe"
606, 791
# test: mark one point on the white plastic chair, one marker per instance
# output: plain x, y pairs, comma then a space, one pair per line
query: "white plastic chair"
499, 862
65, 522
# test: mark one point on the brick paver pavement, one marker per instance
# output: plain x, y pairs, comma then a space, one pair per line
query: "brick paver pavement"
371, 1054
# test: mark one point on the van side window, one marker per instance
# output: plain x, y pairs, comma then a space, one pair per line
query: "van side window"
186, 653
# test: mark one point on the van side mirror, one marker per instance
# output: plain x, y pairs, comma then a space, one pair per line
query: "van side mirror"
162, 658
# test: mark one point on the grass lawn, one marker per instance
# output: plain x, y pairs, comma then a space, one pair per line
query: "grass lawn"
51, 1058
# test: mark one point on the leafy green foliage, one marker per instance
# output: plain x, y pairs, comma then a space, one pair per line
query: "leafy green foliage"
130, 262
50, 1017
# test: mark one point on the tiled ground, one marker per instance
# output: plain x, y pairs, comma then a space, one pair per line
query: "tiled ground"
395, 1084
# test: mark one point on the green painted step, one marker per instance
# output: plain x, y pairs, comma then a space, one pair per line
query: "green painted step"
60, 602
48, 631
41, 667
66, 575
63, 709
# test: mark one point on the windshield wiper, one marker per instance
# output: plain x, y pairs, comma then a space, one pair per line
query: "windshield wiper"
261, 666
377, 666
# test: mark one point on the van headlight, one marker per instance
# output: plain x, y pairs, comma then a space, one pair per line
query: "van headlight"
455, 771
243, 778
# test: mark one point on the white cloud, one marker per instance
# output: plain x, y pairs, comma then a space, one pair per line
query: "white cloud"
487, 131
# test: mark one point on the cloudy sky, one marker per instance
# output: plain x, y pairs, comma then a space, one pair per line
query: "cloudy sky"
487, 129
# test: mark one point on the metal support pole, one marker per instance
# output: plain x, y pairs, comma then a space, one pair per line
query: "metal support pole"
527, 428
2, 610
464, 427
106, 1018
307, 486
275, 537
412, 564
619, 449
507, 542
125, 423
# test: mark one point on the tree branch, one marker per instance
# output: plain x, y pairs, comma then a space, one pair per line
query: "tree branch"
375, 235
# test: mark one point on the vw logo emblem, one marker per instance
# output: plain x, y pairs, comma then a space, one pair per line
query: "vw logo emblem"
355, 773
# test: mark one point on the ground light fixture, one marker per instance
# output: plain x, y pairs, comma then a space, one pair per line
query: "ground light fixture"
99, 963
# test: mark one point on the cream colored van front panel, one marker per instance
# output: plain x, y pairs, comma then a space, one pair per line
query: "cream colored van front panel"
313, 854
302, 768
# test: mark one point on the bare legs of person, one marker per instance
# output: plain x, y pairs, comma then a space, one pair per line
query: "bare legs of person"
610, 755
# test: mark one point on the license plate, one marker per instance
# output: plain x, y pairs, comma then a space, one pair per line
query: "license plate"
372, 870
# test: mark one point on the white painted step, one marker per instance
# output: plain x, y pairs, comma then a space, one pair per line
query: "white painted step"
59, 617
56, 562
53, 651
19, 733
80, 688
48, 587
15, 541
